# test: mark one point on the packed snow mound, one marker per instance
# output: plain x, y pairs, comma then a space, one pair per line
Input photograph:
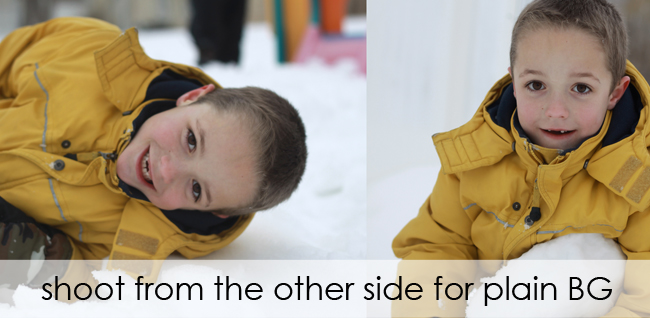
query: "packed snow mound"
590, 246
581, 256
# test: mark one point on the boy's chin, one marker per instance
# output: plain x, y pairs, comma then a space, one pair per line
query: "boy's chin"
558, 145
161, 205
557, 142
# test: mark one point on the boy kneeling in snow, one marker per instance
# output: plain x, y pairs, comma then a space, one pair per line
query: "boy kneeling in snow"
558, 146
110, 153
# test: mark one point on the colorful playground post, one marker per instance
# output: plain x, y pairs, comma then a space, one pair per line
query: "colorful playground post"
312, 29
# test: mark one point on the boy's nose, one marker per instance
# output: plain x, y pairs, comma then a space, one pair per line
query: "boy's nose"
169, 169
557, 108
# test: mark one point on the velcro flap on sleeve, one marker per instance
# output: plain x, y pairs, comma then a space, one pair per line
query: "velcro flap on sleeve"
137, 241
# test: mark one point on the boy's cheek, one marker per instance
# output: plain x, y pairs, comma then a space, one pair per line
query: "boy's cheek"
524, 115
593, 122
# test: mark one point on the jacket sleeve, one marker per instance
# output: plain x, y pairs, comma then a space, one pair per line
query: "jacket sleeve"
15, 44
634, 300
441, 230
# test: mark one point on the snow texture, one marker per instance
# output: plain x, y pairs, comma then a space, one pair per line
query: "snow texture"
575, 255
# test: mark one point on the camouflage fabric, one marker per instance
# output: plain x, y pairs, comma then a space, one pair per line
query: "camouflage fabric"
34, 244
22, 241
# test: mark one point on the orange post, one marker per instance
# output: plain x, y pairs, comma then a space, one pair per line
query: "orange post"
296, 14
332, 14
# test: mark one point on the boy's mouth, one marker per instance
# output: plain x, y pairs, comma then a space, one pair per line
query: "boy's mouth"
558, 133
145, 169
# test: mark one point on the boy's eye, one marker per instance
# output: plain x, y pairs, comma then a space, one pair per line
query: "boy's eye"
196, 190
581, 88
191, 140
535, 86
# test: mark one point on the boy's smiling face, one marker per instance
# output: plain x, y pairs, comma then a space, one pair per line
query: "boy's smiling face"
562, 86
192, 157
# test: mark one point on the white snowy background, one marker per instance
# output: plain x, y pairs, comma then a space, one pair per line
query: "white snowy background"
430, 64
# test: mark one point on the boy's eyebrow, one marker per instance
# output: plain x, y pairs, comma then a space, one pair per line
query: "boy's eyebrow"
529, 71
575, 74
207, 195
201, 136
584, 74
201, 149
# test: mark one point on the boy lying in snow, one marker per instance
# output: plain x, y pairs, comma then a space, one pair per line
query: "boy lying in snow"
110, 153
558, 146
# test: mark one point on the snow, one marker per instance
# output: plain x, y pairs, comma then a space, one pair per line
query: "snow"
392, 202
572, 255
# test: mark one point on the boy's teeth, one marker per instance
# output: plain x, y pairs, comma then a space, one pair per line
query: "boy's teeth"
145, 168
557, 131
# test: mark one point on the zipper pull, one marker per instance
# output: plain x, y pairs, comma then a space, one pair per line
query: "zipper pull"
108, 155
535, 212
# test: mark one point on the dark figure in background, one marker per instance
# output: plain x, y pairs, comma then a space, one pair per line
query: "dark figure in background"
217, 29
36, 11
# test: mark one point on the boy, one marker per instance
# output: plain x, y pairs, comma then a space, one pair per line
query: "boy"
110, 153
558, 146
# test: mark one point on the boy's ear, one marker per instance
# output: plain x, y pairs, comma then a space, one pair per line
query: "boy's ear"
618, 91
219, 215
514, 91
193, 95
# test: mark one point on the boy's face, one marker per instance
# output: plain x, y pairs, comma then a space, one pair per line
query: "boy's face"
562, 86
191, 157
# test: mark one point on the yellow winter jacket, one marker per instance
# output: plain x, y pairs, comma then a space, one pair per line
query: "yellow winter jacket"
491, 179
74, 86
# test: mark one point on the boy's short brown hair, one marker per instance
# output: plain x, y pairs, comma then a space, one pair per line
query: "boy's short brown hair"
596, 17
278, 135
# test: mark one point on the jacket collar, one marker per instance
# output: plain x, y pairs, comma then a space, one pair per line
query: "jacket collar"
122, 67
623, 166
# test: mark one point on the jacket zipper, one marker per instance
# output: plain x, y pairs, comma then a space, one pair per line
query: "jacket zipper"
535, 212
108, 155
534, 215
